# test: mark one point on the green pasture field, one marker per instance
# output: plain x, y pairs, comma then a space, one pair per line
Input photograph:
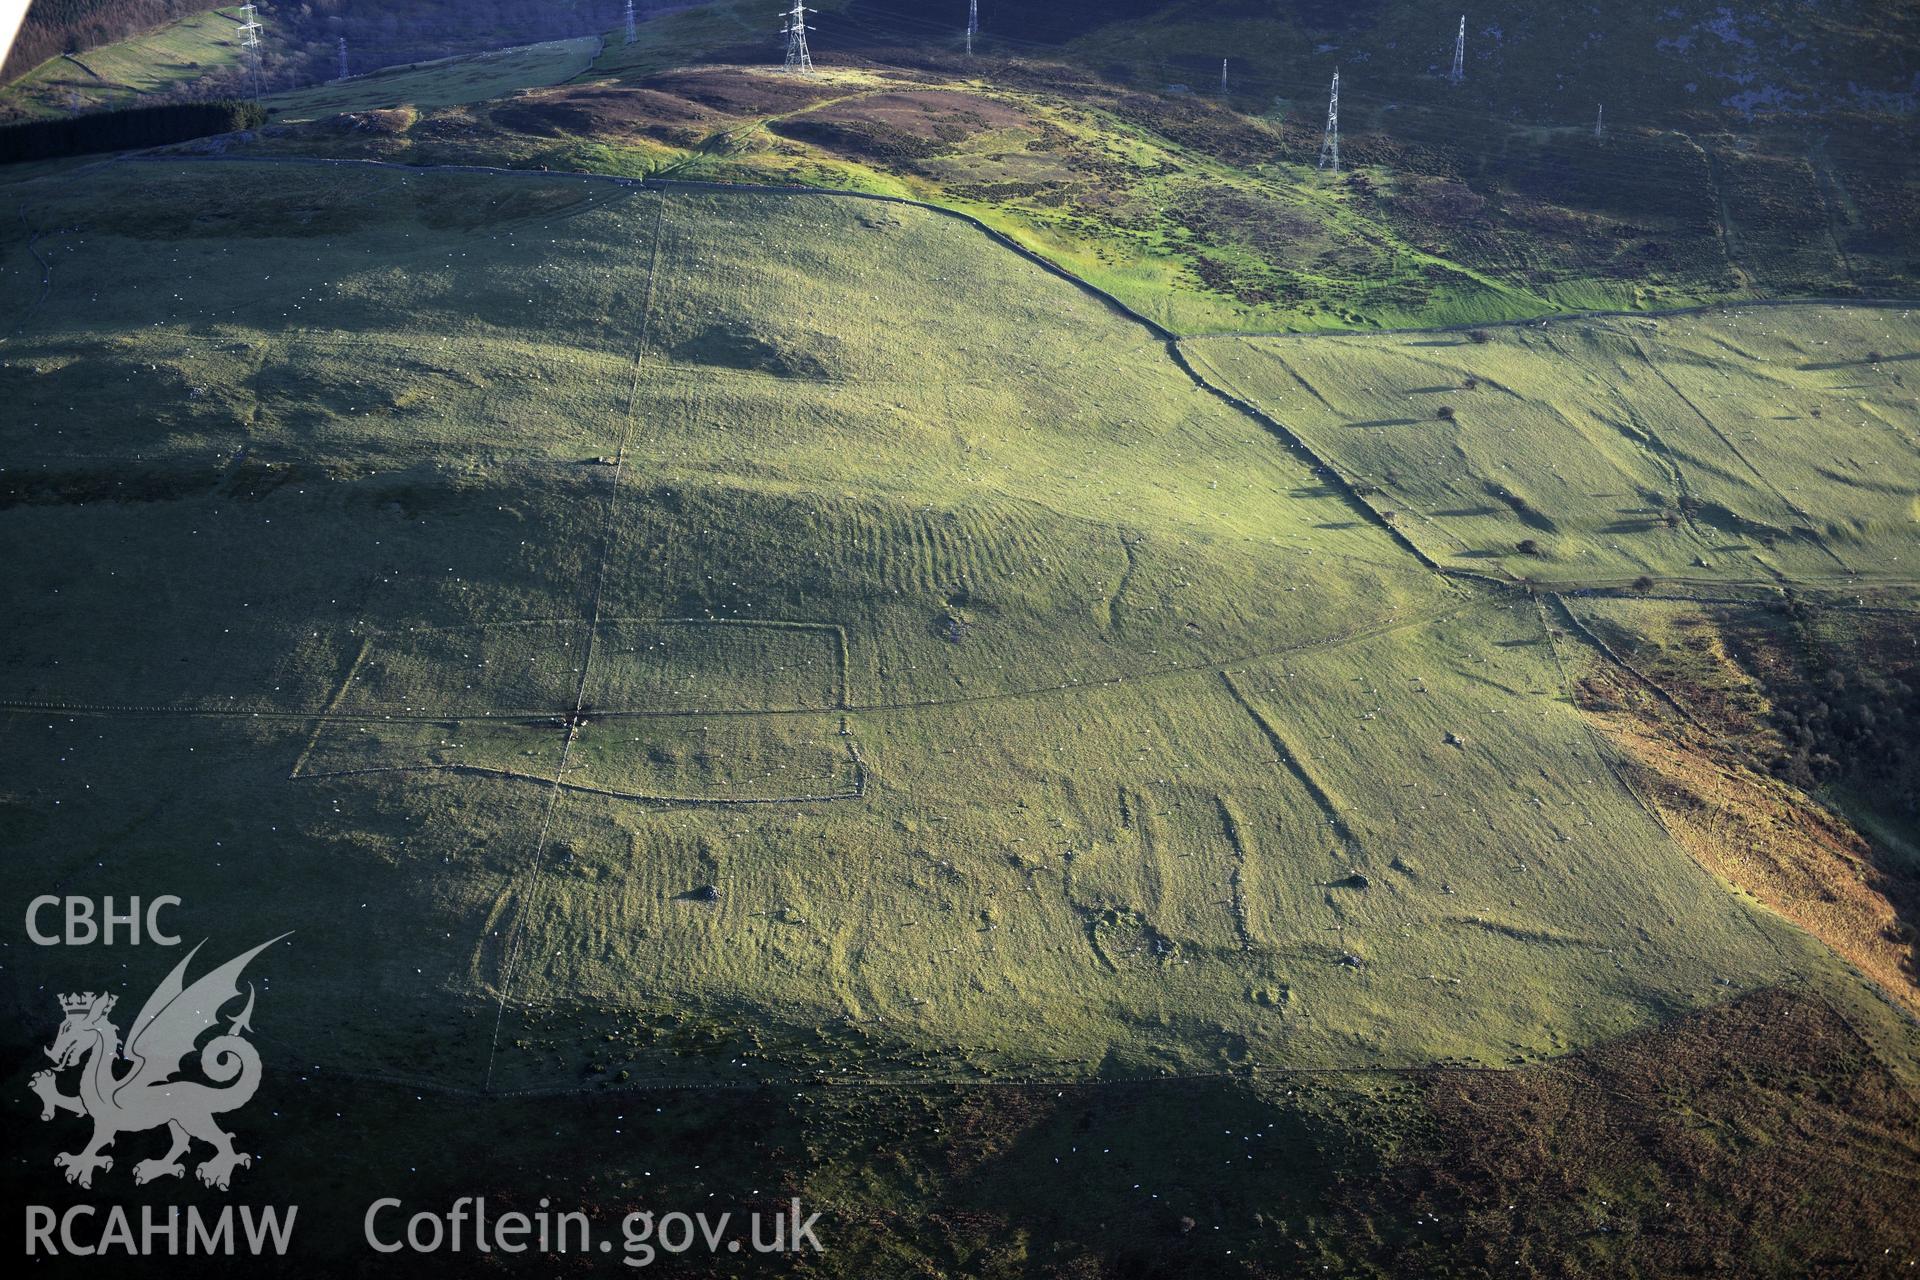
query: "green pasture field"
1767, 445
119, 75
468, 572
1117, 158
652, 643
441, 83
1209, 220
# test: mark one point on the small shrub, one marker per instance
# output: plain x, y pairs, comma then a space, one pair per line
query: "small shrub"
1528, 547
1444, 413
1479, 336
1643, 583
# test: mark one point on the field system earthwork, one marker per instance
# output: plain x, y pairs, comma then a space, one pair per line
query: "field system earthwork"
842, 636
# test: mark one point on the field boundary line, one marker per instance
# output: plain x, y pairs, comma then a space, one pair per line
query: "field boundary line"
840, 700
1321, 466
1292, 759
773, 188
560, 788
1571, 317
1579, 625
1619, 767
1369, 631
34, 235
769, 624
320, 722
1236, 829
1871, 985
1811, 524
580, 788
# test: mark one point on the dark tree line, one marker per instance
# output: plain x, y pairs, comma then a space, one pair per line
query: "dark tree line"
120, 130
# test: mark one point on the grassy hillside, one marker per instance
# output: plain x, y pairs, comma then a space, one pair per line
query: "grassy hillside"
53, 27
657, 637
441, 83
745, 694
179, 59
1774, 739
1209, 220
856, 556
1752, 446
1746, 164
967, 566
106, 51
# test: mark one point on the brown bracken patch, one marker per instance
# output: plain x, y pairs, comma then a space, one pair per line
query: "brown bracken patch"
740, 91
594, 109
1760, 1137
1708, 775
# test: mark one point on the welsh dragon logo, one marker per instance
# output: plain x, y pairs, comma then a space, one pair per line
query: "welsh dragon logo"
148, 1096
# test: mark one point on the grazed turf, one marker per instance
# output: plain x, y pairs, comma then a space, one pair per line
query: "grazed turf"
1764, 445
447, 82
167, 60
645, 636
1044, 713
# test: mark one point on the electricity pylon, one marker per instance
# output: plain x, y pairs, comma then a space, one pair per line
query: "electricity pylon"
343, 57
1459, 71
632, 35
1330, 149
798, 57
250, 41
973, 24
1600, 122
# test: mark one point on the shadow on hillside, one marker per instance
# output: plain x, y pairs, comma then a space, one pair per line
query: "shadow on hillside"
1871, 358
1132, 1173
